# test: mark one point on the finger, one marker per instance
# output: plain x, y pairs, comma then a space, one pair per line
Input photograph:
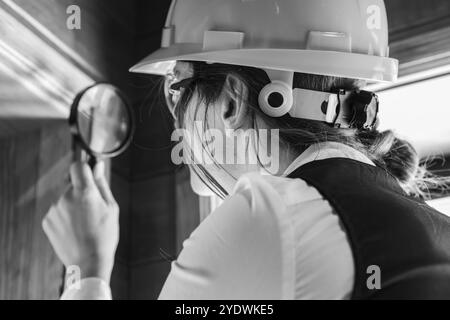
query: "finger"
102, 183
81, 176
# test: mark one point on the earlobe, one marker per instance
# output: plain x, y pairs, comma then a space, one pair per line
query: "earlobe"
234, 107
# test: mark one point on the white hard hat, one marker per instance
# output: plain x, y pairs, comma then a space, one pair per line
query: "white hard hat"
342, 38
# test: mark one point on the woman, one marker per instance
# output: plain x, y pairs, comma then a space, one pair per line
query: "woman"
337, 217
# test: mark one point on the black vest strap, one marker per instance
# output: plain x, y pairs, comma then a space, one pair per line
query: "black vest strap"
408, 240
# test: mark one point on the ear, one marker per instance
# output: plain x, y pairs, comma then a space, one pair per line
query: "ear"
235, 107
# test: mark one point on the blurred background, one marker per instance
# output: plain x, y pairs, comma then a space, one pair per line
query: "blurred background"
43, 65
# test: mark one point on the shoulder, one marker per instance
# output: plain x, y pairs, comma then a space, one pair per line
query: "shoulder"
233, 254
277, 192
315, 253
243, 250
273, 238
282, 211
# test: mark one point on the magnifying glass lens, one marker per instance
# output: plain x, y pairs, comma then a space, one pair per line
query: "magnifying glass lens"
103, 119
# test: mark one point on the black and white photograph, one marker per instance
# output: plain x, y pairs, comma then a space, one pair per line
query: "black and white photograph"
225, 155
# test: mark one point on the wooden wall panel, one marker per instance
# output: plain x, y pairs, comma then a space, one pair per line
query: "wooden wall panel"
187, 208
164, 209
17, 206
101, 50
153, 219
33, 173
419, 34
148, 279
54, 160
408, 14
120, 188
152, 232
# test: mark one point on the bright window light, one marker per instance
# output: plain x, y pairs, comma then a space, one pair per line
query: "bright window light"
442, 205
420, 113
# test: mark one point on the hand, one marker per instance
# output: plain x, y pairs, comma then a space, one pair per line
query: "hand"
83, 227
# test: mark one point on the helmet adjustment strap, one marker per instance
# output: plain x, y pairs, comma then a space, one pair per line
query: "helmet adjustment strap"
355, 109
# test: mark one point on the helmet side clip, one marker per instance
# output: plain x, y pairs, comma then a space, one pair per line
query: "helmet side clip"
276, 99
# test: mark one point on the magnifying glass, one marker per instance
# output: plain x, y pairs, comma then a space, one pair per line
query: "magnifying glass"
101, 122
102, 126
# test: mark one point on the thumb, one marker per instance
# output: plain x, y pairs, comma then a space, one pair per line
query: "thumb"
81, 176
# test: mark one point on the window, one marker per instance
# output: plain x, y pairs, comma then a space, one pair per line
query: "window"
420, 113
442, 205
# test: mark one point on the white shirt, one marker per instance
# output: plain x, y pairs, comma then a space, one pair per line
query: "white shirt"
273, 238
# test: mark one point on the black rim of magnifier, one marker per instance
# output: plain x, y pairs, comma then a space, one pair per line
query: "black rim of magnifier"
75, 129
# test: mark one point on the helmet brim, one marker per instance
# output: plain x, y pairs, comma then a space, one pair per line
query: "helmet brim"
328, 63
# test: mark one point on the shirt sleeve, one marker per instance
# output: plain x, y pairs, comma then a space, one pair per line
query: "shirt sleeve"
234, 254
88, 289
